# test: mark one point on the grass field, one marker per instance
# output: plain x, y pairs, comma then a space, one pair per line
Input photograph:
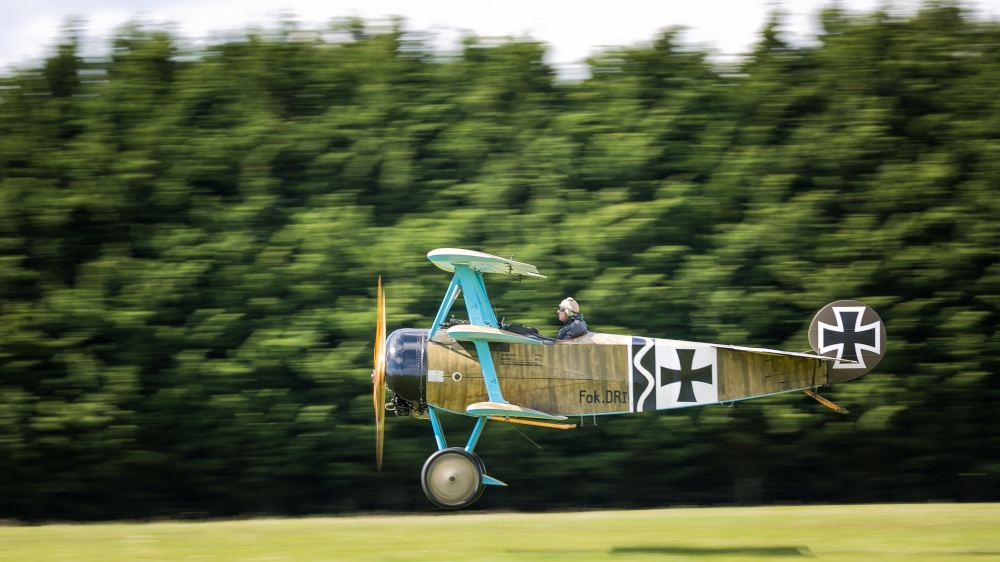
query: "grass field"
872, 532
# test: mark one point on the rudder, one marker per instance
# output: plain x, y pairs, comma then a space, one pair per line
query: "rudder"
852, 332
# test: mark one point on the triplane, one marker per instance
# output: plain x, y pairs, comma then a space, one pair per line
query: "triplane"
510, 373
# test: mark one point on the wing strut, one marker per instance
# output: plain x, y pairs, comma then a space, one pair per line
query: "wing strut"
489, 371
449, 299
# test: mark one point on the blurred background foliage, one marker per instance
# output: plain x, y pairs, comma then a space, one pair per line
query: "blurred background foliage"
190, 242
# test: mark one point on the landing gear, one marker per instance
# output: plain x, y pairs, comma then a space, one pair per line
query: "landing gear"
452, 478
455, 477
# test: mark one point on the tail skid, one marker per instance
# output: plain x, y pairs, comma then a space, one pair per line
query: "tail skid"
815, 396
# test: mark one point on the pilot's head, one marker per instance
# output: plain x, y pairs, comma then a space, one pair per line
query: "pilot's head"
567, 308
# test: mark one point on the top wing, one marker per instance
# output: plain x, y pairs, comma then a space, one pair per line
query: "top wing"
448, 258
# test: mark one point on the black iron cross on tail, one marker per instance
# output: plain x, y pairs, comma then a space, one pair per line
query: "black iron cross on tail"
686, 375
850, 335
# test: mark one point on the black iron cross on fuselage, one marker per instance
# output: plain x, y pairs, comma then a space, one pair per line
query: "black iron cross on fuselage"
686, 375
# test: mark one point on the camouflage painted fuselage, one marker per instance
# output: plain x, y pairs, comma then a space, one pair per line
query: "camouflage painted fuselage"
611, 374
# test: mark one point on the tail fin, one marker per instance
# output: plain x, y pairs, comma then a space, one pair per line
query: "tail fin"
852, 332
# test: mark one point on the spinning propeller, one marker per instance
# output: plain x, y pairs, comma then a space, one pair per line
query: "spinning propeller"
378, 377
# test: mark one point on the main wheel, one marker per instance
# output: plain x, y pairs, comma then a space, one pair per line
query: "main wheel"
452, 478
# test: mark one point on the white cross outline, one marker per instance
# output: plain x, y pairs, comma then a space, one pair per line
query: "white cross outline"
858, 347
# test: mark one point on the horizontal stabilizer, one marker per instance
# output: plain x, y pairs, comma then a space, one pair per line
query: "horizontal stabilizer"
489, 334
782, 353
508, 410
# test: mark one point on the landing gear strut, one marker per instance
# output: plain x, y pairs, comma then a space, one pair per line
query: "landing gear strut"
455, 477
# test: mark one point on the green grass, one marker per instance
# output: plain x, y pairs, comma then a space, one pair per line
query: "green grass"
843, 533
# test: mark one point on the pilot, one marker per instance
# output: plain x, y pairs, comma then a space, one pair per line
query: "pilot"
573, 324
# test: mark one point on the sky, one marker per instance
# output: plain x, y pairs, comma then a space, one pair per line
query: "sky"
572, 29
